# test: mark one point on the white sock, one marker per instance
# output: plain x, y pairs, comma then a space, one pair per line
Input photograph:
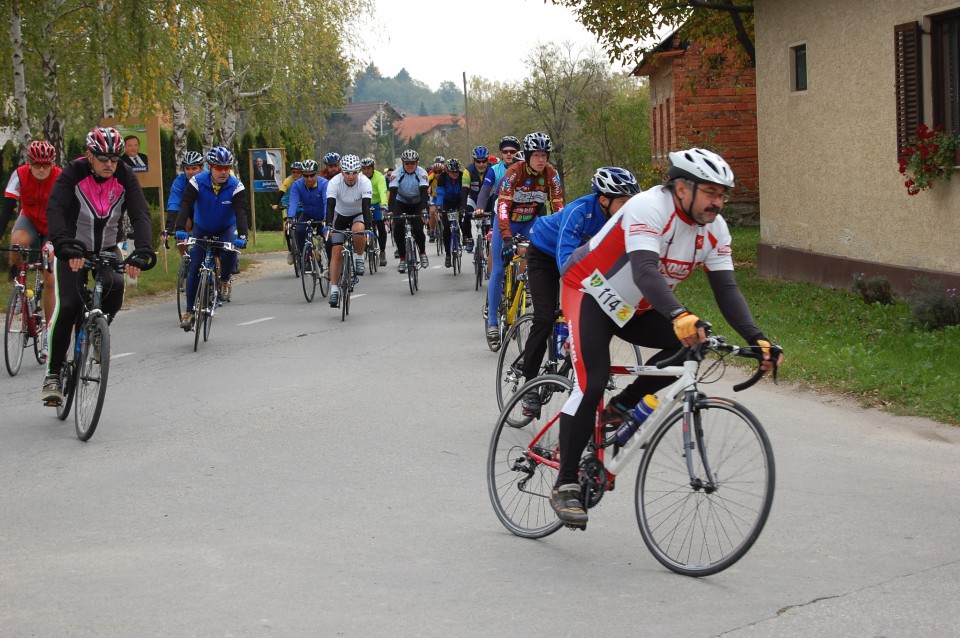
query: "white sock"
334, 288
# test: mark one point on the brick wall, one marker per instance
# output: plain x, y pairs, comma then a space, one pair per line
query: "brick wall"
705, 97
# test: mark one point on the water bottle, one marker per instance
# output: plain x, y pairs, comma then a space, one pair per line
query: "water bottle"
635, 418
560, 334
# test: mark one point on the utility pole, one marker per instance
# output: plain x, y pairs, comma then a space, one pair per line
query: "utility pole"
466, 113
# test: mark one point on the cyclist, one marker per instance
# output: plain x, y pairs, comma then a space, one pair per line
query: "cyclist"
30, 185
348, 208
480, 198
378, 203
87, 204
331, 166
308, 197
452, 188
439, 167
296, 172
553, 238
191, 164
526, 188
509, 147
408, 196
218, 203
621, 283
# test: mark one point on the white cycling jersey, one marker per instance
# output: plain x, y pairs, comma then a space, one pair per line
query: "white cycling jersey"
349, 198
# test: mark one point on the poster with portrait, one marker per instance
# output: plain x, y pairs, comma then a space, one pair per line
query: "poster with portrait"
141, 148
266, 169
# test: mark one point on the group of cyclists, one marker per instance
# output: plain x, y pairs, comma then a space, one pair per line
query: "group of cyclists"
609, 260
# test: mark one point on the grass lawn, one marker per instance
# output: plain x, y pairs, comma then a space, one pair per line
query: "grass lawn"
836, 343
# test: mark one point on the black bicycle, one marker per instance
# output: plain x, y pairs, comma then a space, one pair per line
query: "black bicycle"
207, 299
480, 250
347, 272
83, 375
413, 256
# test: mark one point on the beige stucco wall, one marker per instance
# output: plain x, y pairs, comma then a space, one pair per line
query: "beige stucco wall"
828, 166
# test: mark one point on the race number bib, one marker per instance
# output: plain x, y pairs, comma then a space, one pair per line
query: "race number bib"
597, 286
452, 216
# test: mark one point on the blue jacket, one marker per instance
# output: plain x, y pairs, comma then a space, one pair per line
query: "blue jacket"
312, 201
450, 191
562, 233
214, 211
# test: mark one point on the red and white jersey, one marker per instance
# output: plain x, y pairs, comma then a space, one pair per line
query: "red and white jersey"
32, 194
648, 221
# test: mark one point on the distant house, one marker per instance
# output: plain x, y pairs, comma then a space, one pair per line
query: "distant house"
430, 126
704, 96
841, 87
373, 118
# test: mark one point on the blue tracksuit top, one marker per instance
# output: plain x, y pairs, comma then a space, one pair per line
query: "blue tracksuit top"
312, 201
562, 233
214, 212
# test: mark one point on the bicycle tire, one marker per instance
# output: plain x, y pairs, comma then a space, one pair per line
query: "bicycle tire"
308, 274
456, 252
182, 272
295, 251
522, 508
213, 291
412, 264
686, 529
373, 256
478, 267
346, 283
510, 360
68, 379
14, 331
93, 371
200, 309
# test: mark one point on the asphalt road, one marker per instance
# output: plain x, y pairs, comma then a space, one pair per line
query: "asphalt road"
299, 476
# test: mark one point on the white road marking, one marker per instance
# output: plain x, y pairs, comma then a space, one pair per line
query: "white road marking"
249, 323
122, 354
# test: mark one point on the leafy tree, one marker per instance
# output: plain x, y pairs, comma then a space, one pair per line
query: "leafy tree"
623, 26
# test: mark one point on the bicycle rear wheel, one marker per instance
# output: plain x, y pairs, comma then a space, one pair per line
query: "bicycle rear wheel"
14, 331
519, 479
92, 373
457, 252
323, 270
691, 527
373, 256
182, 273
213, 292
308, 274
346, 285
510, 359
200, 309
478, 266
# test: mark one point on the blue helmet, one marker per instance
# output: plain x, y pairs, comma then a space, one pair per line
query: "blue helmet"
331, 158
219, 156
613, 182
480, 153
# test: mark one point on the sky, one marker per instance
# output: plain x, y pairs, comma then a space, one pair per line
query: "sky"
437, 45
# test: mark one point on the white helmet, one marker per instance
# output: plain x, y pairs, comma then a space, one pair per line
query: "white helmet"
700, 166
350, 164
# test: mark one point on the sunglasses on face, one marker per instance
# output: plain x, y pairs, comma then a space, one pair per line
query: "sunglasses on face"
108, 158
481, 161
309, 175
350, 172
41, 165
222, 169
508, 151
409, 163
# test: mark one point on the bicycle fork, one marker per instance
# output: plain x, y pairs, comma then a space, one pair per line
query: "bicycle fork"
693, 440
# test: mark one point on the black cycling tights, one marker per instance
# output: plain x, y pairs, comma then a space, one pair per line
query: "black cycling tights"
591, 332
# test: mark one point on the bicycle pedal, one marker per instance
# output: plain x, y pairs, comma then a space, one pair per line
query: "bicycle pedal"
52, 403
582, 528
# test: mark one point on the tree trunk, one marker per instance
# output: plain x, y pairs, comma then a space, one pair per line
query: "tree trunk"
209, 117
53, 120
19, 83
179, 118
106, 78
231, 106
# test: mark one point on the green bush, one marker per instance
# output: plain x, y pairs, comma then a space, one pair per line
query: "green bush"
875, 289
932, 307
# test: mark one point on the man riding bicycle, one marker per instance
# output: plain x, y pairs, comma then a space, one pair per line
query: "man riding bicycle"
87, 204
221, 214
452, 188
308, 199
348, 208
527, 186
480, 198
378, 205
408, 196
621, 282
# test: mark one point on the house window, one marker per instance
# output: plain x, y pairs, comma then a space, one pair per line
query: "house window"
798, 67
945, 70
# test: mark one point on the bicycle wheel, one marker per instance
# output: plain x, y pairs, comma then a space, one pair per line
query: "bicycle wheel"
457, 252
308, 273
346, 285
182, 273
690, 527
92, 373
521, 462
68, 379
412, 264
373, 256
210, 302
478, 266
295, 250
200, 309
510, 359
14, 331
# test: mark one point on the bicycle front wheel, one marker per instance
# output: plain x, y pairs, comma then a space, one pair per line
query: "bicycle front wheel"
691, 525
200, 309
93, 369
323, 270
15, 331
308, 274
522, 461
412, 264
346, 285
182, 273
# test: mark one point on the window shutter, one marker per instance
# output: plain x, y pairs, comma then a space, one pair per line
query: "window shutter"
908, 82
